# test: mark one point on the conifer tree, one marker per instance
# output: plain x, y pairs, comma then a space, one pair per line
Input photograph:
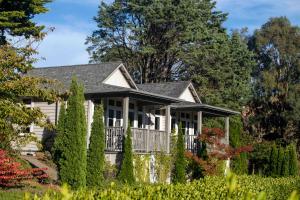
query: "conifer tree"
126, 173
285, 163
60, 134
180, 163
280, 160
273, 161
293, 162
96, 156
73, 162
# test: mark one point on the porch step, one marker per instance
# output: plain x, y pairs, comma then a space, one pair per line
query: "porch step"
50, 171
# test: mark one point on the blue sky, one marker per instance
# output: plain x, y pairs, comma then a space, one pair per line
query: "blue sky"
73, 22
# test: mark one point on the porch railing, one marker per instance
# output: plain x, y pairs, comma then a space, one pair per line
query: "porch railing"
191, 143
114, 138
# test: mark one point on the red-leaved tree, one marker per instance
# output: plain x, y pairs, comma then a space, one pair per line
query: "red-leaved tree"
11, 172
218, 150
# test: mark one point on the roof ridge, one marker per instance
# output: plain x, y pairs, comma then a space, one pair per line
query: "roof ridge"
77, 65
164, 82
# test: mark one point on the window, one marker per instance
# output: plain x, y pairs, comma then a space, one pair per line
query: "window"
157, 123
118, 118
195, 128
118, 103
187, 116
173, 122
111, 114
131, 106
140, 120
157, 112
140, 108
131, 118
195, 117
182, 115
111, 102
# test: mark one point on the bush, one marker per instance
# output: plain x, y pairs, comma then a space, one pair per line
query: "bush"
242, 187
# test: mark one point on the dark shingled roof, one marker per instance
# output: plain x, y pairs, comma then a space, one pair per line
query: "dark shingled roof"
172, 89
91, 75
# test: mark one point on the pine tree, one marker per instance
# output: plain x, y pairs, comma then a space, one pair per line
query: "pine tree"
280, 161
180, 163
73, 162
293, 161
60, 134
126, 173
96, 156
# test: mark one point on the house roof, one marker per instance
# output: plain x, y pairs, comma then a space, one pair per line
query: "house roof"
205, 108
172, 89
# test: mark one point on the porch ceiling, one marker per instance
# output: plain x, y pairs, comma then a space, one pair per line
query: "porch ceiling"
207, 109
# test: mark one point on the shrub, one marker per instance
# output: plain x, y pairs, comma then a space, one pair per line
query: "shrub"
273, 161
11, 172
293, 162
180, 162
73, 161
96, 157
126, 173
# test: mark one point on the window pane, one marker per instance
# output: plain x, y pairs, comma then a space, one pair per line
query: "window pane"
131, 118
140, 121
118, 114
119, 104
157, 123
131, 106
111, 102
110, 122
111, 113
157, 112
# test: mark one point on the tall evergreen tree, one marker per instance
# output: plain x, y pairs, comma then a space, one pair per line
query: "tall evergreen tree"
73, 162
155, 38
126, 173
180, 162
96, 156
280, 161
16, 18
273, 161
60, 134
275, 105
293, 161
285, 163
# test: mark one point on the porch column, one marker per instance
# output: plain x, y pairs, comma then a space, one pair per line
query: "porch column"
227, 130
125, 113
90, 114
199, 121
168, 127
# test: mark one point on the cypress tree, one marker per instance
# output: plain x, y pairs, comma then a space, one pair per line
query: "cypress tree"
285, 163
126, 173
273, 161
96, 156
280, 161
60, 134
293, 161
73, 162
180, 163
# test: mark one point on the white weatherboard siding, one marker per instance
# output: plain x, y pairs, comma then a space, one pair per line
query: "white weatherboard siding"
117, 78
187, 95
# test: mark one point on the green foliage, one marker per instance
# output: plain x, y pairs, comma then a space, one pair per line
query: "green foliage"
273, 161
96, 156
280, 160
163, 163
276, 100
154, 37
126, 173
180, 162
239, 164
211, 187
141, 168
60, 134
16, 18
260, 157
285, 163
293, 161
73, 160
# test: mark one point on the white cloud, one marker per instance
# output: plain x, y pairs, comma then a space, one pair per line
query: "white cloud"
64, 46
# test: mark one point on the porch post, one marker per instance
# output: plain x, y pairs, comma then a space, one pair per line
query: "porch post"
168, 127
199, 122
227, 130
90, 113
227, 168
125, 113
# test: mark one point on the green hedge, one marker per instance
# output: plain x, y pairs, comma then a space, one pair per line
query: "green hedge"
207, 188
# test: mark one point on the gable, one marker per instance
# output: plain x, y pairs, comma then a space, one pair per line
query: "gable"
187, 95
117, 78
